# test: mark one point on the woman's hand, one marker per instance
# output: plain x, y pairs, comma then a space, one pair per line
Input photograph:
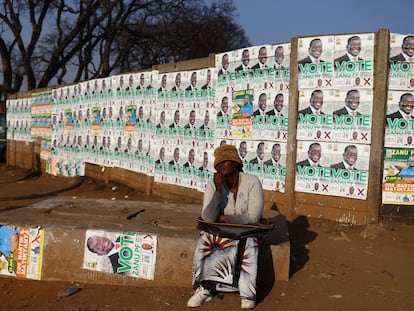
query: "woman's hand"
218, 181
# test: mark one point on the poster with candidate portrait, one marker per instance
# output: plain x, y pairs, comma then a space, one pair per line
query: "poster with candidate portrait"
337, 169
399, 127
315, 119
224, 113
21, 251
279, 60
401, 62
273, 123
130, 254
205, 169
242, 121
161, 163
398, 176
315, 62
352, 115
225, 74
354, 61
274, 166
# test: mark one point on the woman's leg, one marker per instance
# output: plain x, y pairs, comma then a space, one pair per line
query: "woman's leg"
248, 269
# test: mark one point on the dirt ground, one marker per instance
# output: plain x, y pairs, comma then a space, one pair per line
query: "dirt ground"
333, 266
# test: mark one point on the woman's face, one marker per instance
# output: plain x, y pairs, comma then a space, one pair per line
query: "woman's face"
227, 168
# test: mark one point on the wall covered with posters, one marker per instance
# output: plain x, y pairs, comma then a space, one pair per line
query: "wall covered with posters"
167, 125
398, 175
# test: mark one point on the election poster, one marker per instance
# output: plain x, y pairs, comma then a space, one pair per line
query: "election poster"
21, 251
337, 169
352, 115
315, 62
224, 108
399, 127
315, 117
401, 63
354, 61
131, 254
279, 60
398, 176
270, 115
242, 121
19, 119
274, 124
205, 170
266, 66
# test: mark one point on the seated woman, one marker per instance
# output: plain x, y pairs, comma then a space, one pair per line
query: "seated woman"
221, 263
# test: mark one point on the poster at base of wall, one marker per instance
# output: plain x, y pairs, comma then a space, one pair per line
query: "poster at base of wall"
336, 169
401, 63
398, 176
21, 251
399, 127
125, 253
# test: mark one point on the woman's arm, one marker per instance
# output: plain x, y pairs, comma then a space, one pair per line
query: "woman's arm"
211, 203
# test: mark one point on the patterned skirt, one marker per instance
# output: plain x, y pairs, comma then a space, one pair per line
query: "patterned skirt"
229, 264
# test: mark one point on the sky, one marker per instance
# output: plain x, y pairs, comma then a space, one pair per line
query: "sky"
275, 21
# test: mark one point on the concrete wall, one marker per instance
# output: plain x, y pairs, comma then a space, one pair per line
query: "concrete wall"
63, 259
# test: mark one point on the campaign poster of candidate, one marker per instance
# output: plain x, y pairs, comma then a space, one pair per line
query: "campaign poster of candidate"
398, 176
108, 114
199, 89
401, 63
247, 150
279, 60
399, 127
225, 76
259, 113
241, 66
261, 64
315, 119
354, 60
270, 119
315, 62
208, 80
191, 159
267, 162
147, 86
19, 119
207, 129
191, 82
352, 115
175, 120
224, 114
21, 251
131, 254
121, 86
161, 163
176, 156
175, 85
338, 169
242, 121
192, 122
205, 168
252, 153
105, 91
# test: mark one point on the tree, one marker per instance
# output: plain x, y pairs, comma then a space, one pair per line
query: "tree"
48, 42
